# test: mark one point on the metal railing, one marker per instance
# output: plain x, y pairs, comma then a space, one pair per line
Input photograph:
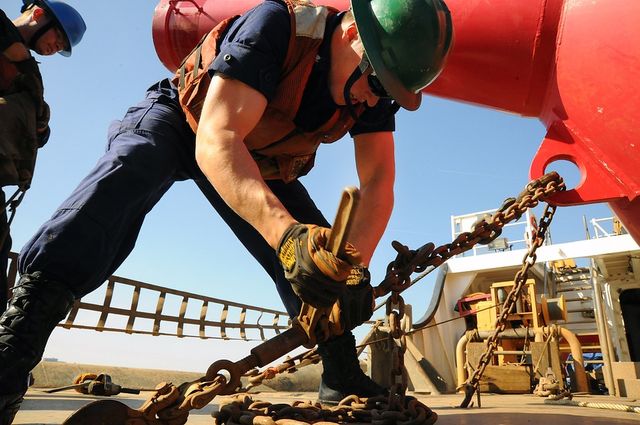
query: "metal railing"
607, 227
164, 323
514, 235
144, 308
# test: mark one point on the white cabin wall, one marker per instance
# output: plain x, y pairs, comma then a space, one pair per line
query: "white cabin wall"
438, 343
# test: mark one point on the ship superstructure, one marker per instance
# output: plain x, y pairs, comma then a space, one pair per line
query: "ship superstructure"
577, 318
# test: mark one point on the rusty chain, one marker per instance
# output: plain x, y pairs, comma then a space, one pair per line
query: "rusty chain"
407, 262
290, 365
243, 410
170, 405
473, 383
395, 311
398, 278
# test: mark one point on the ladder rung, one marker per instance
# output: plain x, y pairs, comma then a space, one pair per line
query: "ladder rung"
575, 300
580, 288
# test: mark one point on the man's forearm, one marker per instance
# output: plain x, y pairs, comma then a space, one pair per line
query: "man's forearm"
230, 168
376, 205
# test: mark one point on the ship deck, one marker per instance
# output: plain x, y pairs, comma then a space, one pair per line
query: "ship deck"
42, 408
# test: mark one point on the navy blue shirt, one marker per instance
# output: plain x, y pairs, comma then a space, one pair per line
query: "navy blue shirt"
253, 51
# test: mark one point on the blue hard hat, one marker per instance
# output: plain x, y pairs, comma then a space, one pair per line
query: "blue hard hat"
68, 19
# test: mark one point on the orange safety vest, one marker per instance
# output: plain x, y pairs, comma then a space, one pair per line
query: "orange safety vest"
281, 150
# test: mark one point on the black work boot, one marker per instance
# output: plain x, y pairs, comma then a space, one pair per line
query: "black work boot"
9, 406
37, 305
342, 375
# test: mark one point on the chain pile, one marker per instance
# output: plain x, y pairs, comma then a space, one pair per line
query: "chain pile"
243, 410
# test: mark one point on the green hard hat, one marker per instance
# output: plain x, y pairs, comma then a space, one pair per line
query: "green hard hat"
406, 42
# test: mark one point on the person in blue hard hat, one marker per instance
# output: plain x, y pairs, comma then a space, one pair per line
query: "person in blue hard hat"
44, 27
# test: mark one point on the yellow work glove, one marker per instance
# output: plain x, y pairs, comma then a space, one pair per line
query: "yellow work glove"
316, 275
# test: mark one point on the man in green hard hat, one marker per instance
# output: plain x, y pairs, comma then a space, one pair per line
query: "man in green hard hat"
243, 118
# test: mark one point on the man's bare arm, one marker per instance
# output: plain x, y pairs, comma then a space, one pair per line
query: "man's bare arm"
376, 171
230, 111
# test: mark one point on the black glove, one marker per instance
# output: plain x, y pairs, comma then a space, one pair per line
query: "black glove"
357, 300
316, 275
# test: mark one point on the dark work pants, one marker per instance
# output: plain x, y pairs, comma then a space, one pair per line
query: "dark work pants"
95, 229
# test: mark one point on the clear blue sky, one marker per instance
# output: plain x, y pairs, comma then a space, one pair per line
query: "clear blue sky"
452, 159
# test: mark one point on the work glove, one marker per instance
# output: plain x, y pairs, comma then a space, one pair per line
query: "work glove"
30, 80
316, 275
357, 300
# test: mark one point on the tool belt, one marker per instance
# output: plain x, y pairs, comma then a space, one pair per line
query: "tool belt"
18, 140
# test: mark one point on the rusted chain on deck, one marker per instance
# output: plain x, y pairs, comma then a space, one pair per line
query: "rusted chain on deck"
243, 410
